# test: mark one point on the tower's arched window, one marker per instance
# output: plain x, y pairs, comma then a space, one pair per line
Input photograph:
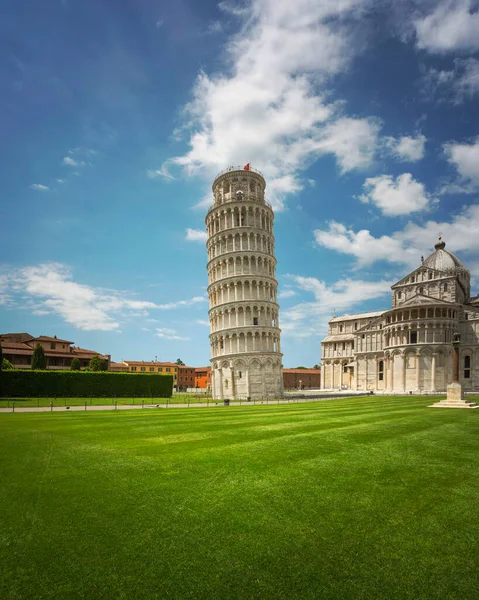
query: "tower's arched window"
381, 370
445, 287
399, 295
340, 329
467, 367
421, 290
430, 275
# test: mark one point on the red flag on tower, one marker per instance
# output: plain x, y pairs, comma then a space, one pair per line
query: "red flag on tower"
246, 167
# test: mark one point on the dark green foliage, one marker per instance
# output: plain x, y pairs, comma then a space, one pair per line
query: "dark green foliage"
1, 357
76, 366
98, 364
179, 362
5, 365
360, 499
65, 384
39, 360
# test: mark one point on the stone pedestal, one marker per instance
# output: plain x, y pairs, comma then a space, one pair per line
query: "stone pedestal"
455, 398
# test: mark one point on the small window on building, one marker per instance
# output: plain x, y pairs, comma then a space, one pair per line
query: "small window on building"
168, 369
142, 369
413, 337
345, 369
52, 346
399, 295
255, 320
467, 367
412, 279
355, 326
240, 374
445, 287
340, 329
352, 345
344, 345
334, 347
381, 370
152, 369
221, 344
421, 290
430, 275
363, 336
160, 369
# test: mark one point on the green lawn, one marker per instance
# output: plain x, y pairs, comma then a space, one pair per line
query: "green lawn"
363, 498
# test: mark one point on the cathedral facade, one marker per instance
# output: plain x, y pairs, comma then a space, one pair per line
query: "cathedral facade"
408, 348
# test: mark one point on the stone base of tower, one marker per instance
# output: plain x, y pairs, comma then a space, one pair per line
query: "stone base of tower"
238, 377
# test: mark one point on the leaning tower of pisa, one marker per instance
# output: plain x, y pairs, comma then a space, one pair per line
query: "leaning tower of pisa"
245, 334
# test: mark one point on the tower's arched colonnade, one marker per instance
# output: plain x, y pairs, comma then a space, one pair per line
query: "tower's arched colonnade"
244, 313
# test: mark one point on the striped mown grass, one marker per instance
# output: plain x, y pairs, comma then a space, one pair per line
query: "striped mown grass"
359, 498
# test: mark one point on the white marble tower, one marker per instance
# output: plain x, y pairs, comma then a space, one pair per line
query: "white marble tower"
245, 335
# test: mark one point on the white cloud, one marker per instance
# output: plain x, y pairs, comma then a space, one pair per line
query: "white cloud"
287, 294
172, 305
271, 108
71, 162
83, 306
363, 246
405, 246
39, 187
406, 148
170, 334
465, 157
309, 318
453, 25
401, 196
60, 181
195, 235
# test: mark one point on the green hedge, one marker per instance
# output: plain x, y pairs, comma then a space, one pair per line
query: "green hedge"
65, 384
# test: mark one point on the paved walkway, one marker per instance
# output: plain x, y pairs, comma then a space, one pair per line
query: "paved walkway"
119, 406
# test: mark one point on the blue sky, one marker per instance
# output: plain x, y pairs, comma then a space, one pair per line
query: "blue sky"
116, 115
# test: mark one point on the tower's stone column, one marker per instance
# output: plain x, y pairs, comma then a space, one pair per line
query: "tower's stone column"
244, 322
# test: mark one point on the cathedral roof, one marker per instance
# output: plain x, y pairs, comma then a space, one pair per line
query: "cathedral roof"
442, 260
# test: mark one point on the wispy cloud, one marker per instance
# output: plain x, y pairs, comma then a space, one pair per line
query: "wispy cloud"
195, 235
170, 334
173, 305
39, 187
309, 318
71, 162
203, 322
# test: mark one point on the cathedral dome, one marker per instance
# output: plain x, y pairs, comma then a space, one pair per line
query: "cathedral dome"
442, 260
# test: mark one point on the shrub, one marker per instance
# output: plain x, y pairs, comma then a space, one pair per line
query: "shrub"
65, 384
76, 366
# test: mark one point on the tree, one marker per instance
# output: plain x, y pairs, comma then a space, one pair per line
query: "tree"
179, 362
39, 360
317, 367
1, 357
301, 367
98, 364
5, 365
76, 364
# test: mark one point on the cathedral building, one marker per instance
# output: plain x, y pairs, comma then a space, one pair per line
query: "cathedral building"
408, 348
